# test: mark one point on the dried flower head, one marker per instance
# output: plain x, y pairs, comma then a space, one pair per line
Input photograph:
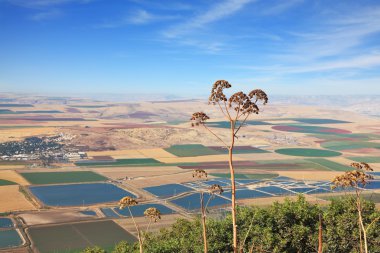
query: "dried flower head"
258, 95
199, 173
215, 189
242, 103
152, 213
355, 178
217, 91
198, 118
127, 201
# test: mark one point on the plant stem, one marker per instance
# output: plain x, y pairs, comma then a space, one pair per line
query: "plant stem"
233, 187
320, 235
203, 218
138, 231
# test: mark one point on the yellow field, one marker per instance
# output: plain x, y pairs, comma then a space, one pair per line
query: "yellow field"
13, 167
11, 175
122, 153
20, 133
310, 175
119, 172
11, 199
156, 153
182, 177
165, 222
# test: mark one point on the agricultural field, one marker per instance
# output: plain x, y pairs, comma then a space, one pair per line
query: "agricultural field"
116, 149
62, 177
73, 237
78, 194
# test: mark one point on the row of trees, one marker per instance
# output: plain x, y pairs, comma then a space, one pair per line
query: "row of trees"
289, 227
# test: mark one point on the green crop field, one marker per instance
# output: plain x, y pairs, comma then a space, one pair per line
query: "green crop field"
319, 121
365, 159
191, 150
344, 145
308, 152
6, 182
121, 162
330, 164
62, 177
75, 237
246, 176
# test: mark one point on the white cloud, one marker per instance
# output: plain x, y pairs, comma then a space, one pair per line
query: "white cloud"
46, 15
215, 13
45, 3
139, 17
280, 6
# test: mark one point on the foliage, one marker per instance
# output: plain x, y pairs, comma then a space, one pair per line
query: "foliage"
95, 249
288, 227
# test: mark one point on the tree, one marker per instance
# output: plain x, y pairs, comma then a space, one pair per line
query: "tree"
236, 110
357, 179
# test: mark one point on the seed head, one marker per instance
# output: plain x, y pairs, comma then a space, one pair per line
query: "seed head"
259, 95
198, 118
199, 173
355, 177
152, 213
127, 201
217, 91
215, 189
242, 103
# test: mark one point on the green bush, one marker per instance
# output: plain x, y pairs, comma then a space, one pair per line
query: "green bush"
289, 227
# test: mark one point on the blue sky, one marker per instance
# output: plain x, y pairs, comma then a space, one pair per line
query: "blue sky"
182, 47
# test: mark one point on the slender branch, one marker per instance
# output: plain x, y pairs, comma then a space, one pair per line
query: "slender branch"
373, 222
147, 230
225, 115
228, 112
237, 115
242, 123
215, 135
137, 228
246, 235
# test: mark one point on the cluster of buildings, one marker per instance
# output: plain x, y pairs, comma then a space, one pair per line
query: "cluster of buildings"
42, 148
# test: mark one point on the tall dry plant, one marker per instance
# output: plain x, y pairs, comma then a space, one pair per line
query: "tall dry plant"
320, 235
213, 189
152, 213
236, 109
357, 179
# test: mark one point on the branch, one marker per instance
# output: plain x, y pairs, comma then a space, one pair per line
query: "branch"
228, 112
215, 135
242, 123
225, 115
237, 115
246, 235
137, 227
373, 222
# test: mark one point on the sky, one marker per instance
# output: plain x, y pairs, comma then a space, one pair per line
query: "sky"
285, 47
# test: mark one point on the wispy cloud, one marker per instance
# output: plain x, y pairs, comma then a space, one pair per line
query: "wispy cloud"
215, 13
46, 15
139, 17
280, 6
45, 3
359, 62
